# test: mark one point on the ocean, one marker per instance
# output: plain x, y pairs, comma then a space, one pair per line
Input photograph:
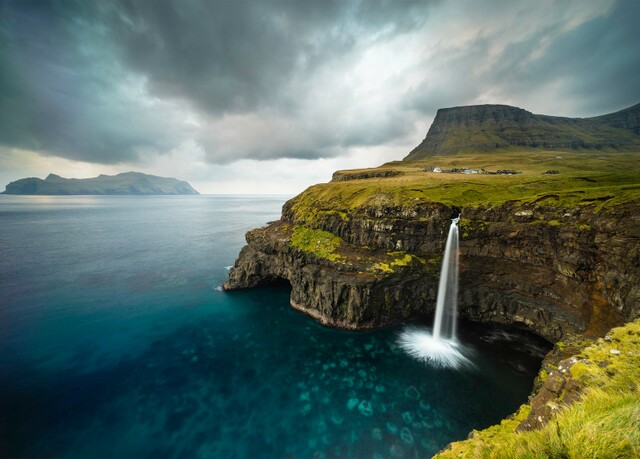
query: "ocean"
116, 341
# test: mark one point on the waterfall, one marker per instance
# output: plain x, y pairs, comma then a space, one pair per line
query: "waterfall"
441, 348
444, 325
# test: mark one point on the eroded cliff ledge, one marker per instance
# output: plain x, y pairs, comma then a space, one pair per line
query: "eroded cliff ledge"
557, 254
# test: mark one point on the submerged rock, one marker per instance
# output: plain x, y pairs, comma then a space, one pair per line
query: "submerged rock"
365, 408
412, 393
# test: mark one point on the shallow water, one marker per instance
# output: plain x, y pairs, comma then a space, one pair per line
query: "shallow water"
116, 343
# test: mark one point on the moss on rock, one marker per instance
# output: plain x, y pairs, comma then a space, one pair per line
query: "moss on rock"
321, 243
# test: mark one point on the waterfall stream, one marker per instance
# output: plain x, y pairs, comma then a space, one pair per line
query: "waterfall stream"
444, 325
441, 348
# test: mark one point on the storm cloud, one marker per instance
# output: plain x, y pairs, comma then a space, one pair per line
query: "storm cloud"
124, 82
240, 56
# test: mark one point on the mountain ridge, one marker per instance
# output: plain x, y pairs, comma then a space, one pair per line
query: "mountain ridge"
482, 128
125, 183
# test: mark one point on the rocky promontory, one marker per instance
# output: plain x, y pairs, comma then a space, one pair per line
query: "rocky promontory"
554, 253
552, 269
135, 183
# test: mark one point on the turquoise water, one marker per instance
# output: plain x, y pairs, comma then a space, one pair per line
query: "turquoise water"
115, 342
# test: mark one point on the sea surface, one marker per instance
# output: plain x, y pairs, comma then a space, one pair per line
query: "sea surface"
116, 342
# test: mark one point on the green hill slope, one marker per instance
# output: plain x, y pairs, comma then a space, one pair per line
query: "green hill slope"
487, 128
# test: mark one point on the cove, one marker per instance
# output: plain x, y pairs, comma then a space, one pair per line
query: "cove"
117, 343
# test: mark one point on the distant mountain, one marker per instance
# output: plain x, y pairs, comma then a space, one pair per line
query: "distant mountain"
478, 128
126, 183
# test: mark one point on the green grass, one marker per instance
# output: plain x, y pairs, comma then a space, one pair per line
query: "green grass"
585, 179
321, 243
604, 423
327, 246
398, 260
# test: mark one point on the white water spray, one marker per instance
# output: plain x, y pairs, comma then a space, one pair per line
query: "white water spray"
442, 348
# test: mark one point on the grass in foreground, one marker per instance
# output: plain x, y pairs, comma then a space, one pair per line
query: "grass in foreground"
604, 423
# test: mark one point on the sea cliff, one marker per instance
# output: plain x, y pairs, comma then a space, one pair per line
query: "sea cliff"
556, 254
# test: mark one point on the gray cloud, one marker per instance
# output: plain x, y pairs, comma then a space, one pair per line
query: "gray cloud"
122, 81
574, 71
596, 62
63, 93
239, 56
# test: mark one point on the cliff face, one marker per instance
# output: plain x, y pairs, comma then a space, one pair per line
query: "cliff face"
481, 128
554, 270
365, 286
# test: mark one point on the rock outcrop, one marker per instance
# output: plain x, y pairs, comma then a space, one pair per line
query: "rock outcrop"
481, 128
553, 270
340, 176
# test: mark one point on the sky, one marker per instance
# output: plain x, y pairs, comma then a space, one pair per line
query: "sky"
272, 96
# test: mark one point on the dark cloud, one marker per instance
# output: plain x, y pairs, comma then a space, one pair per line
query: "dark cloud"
61, 91
121, 81
596, 63
239, 56
69, 68
586, 70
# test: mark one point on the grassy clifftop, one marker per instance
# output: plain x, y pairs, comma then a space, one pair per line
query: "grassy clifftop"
582, 179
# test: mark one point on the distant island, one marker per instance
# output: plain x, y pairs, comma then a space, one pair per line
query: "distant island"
126, 183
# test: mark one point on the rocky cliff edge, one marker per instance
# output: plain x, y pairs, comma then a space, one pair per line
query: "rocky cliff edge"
557, 254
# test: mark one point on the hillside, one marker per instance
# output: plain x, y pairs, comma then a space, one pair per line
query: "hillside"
134, 183
487, 128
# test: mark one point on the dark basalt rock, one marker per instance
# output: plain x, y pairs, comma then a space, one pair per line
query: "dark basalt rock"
342, 176
552, 270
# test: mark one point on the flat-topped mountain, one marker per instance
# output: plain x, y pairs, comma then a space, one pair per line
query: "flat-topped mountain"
481, 128
125, 183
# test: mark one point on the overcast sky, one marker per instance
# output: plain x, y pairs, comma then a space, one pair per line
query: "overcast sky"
273, 96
